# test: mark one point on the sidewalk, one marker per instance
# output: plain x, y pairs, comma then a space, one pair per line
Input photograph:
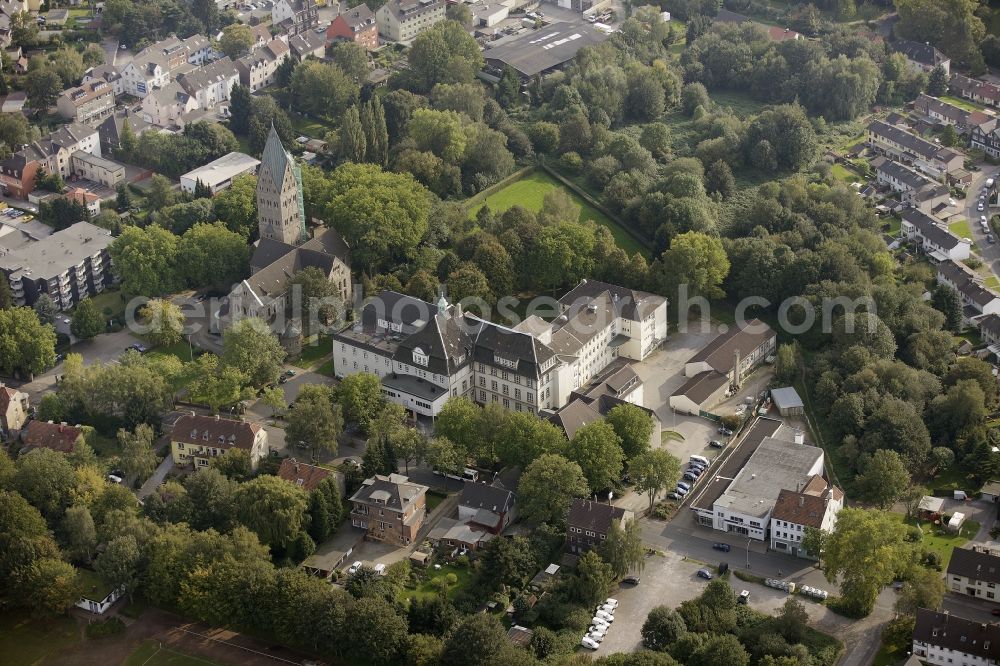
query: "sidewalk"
153, 482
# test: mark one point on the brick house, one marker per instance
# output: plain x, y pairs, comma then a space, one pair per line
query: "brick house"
48, 435
357, 25
389, 508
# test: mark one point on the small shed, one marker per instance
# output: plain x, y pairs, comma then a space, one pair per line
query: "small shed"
543, 577
991, 491
787, 401
520, 636
930, 507
419, 558
956, 521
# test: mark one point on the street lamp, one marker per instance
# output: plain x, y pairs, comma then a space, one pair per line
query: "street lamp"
748, 552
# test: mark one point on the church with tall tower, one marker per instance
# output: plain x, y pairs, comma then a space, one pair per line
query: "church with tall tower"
280, 210
285, 247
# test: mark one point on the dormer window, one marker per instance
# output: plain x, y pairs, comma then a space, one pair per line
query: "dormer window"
419, 357
204, 436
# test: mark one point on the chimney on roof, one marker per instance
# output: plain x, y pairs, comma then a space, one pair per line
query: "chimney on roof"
802, 500
800, 437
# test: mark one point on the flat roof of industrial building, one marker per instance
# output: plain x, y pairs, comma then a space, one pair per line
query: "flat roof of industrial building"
776, 464
226, 167
738, 457
49, 257
541, 50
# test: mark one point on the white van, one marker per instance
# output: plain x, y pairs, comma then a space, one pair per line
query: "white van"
699, 459
470, 475
989, 182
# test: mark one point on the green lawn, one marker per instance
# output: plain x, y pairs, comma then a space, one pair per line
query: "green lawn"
992, 282
94, 588
109, 303
326, 368
428, 589
181, 350
26, 642
961, 103
842, 173
529, 192
310, 127
955, 478
893, 225
892, 654
960, 228
937, 540
742, 104
314, 351
152, 653
433, 499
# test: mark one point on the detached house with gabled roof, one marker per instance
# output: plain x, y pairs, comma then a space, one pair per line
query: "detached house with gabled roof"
922, 56
589, 523
308, 477
196, 439
490, 508
974, 573
390, 509
13, 410
48, 435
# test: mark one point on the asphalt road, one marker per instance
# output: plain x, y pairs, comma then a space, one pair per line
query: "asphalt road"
990, 252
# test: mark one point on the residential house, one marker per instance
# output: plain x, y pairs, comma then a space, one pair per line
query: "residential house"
923, 57
164, 107
722, 362
948, 640
257, 69
974, 573
390, 509
110, 131
48, 435
98, 596
18, 61
196, 439
945, 113
741, 495
986, 137
211, 84
356, 24
932, 237
403, 20
616, 385
916, 189
156, 65
979, 91
97, 169
976, 299
90, 201
308, 477
989, 328
816, 505
13, 410
218, 174
89, 102
487, 507
14, 102
926, 156
589, 523
261, 35
68, 265
308, 44
295, 16
109, 74
52, 153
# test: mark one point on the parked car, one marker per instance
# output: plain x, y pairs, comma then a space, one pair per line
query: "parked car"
601, 629
680, 491
605, 615
631, 580
744, 597
611, 601
698, 460
597, 638
980, 206
705, 573
589, 643
607, 608
716, 444
599, 622
353, 569
114, 478
673, 495
688, 476
685, 486
724, 547
380, 569
991, 239
139, 348
697, 470
725, 431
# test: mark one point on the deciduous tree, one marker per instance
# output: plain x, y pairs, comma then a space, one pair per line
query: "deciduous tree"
548, 487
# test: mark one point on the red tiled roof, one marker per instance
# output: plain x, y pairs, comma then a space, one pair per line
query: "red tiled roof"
48, 435
305, 476
214, 431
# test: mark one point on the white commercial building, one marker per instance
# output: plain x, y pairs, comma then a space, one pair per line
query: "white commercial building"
219, 174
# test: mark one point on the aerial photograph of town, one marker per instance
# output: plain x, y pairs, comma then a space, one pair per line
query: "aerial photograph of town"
499, 333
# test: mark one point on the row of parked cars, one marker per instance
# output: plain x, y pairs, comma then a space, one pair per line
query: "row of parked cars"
696, 467
604, 616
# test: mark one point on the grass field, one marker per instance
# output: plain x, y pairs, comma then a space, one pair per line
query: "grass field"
943, 543
842, 173
891, 654
26, 642
742, 104
310, 127
109, 303
961, 103
314, 352
433, 499
992, 282
152, 653
428, 589
960, 228
529, 192
181, 350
